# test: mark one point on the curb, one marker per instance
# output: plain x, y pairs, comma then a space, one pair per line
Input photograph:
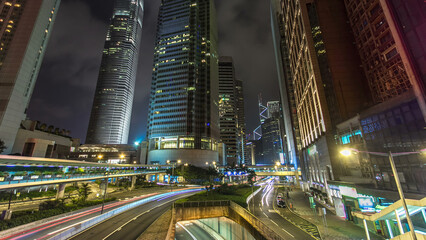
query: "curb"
282, 215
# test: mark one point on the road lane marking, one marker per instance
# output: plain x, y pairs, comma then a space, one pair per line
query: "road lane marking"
119, 228
287, 232
193, 237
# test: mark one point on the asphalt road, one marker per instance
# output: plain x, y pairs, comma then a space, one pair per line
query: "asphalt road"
262, 206
130, 224
187, 230
58, 225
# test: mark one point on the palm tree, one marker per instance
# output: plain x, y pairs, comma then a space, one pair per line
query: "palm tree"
84, 191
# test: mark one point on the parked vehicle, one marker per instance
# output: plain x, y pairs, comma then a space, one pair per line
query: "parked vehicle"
281, 204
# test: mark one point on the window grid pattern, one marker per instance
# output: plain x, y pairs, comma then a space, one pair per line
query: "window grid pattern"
382, 63
112, 106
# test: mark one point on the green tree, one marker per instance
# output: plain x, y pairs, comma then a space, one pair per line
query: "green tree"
2, 146
251, 177
84, 191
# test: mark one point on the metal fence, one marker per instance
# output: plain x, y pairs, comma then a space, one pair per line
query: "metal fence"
212, 203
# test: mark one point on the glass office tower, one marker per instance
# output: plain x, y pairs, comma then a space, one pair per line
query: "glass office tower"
112, 105
183, 114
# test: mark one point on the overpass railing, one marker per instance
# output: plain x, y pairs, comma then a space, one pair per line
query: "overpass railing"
212, 203
58, 177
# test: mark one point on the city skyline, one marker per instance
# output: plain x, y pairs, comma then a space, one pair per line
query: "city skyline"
74, 115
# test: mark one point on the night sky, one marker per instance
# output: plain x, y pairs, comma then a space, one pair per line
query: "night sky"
66, 84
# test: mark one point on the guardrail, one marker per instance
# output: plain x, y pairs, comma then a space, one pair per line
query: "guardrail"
50, 181
36, 178
74, 230
266, 231
211, 203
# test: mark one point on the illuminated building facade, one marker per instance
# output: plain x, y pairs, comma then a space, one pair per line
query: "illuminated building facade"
271, 141
327, 83
228, 120
25, 27
383, 66
183, 111
241, 120
390, 39
112, 105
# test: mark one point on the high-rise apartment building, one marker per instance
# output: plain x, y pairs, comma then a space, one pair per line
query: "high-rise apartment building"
112, 105
25, 27
327, 83
183, 112
228, 120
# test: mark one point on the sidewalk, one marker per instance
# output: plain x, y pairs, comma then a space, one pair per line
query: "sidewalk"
337, 228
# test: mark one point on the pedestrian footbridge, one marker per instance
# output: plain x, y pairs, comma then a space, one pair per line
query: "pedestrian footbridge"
20, 172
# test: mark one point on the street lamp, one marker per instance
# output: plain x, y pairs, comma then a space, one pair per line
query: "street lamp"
348, 152
173, 172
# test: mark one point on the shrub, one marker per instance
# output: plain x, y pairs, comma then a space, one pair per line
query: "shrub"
24, 217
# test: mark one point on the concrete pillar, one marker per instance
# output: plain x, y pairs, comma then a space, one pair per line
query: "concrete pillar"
398, 220
104, 187
389, 228
424, 214
367, 234
61, 191
148, 177
133, 181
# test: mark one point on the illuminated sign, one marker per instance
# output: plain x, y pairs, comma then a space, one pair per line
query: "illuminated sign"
348, 191
366, 202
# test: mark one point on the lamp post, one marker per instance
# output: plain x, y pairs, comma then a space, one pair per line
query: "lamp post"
106, 185
390, 155
173, 172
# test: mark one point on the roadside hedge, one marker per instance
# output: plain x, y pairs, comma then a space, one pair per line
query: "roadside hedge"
28, 216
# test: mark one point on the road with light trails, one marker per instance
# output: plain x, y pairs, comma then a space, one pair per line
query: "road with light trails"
187, 230
51, 228
131, 224
261, 205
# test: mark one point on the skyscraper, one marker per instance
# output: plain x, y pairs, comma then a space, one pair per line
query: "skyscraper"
241, 120
228, 109
183, 113
273, 107
112, 105
25, 27
286, 85
390, 39
231, 112
271, 141
328, 85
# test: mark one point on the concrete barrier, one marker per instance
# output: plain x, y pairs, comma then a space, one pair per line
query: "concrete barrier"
209, 209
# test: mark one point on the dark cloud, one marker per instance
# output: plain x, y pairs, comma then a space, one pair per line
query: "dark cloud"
64, 90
